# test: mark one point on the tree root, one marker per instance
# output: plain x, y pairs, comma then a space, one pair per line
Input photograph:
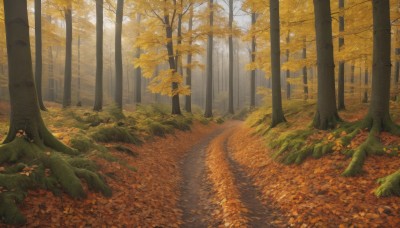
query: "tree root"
389, 185
29, 166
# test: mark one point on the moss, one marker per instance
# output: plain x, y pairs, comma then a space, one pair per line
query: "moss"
369, 147
114, 134
158, 129
389, 185
219, 120
33, 167
94, 181
126, 150
115, 112
81, 143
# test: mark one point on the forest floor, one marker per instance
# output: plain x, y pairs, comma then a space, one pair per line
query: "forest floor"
224, 176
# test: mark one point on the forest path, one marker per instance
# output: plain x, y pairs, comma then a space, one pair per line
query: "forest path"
196, 194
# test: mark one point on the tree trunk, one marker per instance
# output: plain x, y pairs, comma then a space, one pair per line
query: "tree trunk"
365, 98
287, 71
305, 80
277, 111
253, 72
209, 68
98, 98
352, 76
68, 58
396, 73
326, 116
25, 111
176, 110
188, 98
118, 54
341, 105
38, 52
378, 116
231, 109
51, 82
138, 71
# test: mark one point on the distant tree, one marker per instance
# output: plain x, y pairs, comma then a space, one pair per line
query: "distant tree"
38, 52
98, 99
209, 65
231, 109
253, 71
305, 79
277, 111
326, 116
68, 55
188, 98
118, 53
288, 87
366, 77
138, 71
341, 105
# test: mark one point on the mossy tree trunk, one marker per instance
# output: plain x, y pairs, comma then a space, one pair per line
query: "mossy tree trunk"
277, 111
98, 98
68, 57
38, 52
326, 116
118, 54
341, 105
209, 66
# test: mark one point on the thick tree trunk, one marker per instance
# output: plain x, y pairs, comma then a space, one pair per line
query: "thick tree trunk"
341, 105
366, 76
188, 98
118, 54
277, 111
68, 58
25, 111
326, 116
305, 79
38, 52
287, 71
138, 71
253, 72
176, 110
209, 66
231, 109
378, 116
98, 98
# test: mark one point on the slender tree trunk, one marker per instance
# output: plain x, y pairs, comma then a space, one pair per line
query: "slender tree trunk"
341, 105
176, 110
51, 83
98, 99
305, 80
79, 103
352, 76
277, 111
253, 72
25, 111
209, 66
326, 115
118, 54
68, 58
396, 73
138, 71
38, 54
366, 76
287, 71
231, 109
188, 98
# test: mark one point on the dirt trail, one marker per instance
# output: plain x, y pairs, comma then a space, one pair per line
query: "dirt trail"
196, 189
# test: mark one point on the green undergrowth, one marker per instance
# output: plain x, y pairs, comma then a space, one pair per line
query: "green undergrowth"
26, 166
295, 141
